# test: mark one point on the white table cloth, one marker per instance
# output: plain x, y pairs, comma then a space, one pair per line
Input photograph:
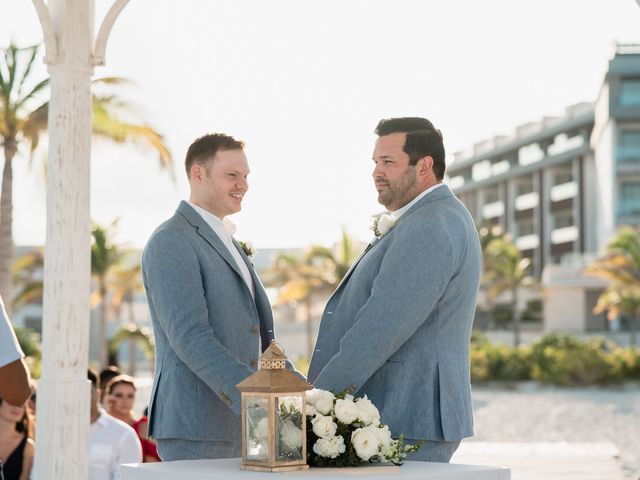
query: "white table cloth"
228, 469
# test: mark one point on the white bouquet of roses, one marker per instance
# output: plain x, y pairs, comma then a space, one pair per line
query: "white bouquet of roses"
343, 431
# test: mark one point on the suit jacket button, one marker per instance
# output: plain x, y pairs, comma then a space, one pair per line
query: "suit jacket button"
255, 329
254, 363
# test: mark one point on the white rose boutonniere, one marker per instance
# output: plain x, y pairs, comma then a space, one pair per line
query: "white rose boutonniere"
382, 224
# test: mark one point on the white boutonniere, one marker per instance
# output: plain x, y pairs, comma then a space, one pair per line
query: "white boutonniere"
382, 224
247, 248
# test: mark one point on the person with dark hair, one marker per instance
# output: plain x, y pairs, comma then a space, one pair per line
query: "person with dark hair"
111, 441
398, 327
106, 374
14, 374
209, 311
16, 442
121, 395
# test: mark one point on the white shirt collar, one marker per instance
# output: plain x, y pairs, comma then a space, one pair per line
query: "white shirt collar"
214, 222
401, 211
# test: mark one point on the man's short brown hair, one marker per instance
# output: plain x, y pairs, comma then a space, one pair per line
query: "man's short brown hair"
205, 148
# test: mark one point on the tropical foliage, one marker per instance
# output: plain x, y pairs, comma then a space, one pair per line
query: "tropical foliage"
620, 265
505, 270
23, 121
554, 359
318, 271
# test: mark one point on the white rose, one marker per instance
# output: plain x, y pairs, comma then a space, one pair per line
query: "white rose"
290, 435
384, 437
324, 426
322, 400
346, 411
311, 409
329, 447
262, 428
385, 223
365, 442
368, 413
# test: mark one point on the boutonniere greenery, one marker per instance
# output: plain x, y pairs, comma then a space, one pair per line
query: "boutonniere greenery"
382, 224
247, 248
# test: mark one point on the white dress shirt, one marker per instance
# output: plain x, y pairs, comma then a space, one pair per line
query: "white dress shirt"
225, 229
111, 443
10, 350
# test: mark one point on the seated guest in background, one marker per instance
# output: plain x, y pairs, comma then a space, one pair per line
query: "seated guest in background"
106, 374
112, 442
121, 396
14, 375
16, 443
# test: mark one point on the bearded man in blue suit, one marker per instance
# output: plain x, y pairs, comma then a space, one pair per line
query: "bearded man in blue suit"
398, 327
210, 314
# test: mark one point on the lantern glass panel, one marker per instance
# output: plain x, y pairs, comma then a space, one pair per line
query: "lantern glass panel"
257, 428
288, 435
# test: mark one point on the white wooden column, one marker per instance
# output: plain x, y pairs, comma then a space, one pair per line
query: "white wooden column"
64, 391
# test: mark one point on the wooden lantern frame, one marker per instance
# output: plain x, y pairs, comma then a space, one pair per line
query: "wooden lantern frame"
273, 380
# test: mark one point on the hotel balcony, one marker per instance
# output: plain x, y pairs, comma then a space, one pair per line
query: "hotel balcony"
493, 210
564, 191
565, 234
528, 242
527, 201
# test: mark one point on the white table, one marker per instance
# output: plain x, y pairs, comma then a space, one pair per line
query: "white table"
229, 468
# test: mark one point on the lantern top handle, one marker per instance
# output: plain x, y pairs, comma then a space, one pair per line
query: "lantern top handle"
273, 357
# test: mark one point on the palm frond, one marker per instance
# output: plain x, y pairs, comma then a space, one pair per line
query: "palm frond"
27, 69
34, 91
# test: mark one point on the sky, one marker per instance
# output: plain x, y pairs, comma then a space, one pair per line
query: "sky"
304, 83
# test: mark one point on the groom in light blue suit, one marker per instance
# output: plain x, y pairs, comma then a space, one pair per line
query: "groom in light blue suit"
398, 327
211, 316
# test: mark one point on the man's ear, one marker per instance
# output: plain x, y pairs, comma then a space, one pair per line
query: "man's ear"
425, 166
196, 171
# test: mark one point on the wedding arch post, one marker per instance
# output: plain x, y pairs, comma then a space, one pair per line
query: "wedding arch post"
64, 391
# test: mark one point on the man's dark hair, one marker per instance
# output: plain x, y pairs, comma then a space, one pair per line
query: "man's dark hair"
93, 376
423, 140
205, 148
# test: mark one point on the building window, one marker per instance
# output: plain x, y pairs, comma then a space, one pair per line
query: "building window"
524, 228
629, 146
629, 199
630, 92
563, 219
562, 176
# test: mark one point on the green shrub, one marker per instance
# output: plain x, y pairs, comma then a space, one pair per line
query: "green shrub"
565, 360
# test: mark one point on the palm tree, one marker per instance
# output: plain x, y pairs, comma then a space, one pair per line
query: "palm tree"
27, 276
318, 271
23, 123
135, 335
619, 300
125, 283
506, 271
620, 265
106, 256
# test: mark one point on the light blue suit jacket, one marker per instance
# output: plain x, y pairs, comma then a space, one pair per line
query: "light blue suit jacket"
398, 327
207, 329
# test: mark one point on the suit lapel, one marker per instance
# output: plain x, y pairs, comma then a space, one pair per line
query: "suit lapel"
205, 231
438, 194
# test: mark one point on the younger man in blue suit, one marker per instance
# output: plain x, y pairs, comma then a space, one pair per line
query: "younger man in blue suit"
210, 313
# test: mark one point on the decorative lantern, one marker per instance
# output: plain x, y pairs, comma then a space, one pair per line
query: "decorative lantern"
274, 427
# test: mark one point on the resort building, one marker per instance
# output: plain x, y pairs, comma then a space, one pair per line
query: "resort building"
561, 186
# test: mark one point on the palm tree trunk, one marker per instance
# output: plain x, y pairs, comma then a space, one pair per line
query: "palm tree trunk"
102, 334
309, 322
514, 317
132, 343
6, 229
